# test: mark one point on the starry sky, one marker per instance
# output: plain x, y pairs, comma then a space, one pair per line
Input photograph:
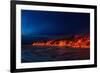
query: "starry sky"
54, 23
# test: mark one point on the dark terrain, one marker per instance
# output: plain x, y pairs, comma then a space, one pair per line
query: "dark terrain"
43, 54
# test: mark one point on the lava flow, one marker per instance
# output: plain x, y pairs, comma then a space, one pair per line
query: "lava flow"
76, 42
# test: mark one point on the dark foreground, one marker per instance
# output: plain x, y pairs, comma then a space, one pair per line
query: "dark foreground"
43, 54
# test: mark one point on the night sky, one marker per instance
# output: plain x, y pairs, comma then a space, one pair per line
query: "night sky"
44, 25
48, 22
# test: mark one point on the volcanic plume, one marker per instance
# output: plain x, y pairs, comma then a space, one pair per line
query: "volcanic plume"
78, 41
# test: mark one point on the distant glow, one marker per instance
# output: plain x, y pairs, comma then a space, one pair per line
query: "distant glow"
77, 42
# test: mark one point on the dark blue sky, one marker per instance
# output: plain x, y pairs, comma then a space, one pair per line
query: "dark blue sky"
47, 22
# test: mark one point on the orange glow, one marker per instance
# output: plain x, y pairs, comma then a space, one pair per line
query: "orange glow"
76, 42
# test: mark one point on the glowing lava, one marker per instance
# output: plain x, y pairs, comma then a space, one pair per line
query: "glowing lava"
76, 42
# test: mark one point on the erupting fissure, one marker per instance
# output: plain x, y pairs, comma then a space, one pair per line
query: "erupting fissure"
76, 42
